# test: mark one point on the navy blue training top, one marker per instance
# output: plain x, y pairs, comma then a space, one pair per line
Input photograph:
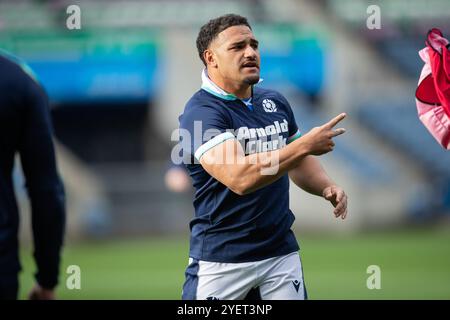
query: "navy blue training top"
25, 128
228, 227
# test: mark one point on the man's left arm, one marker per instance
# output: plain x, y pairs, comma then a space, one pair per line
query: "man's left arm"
310, 176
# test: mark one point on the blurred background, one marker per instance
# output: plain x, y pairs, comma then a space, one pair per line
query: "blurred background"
118, 85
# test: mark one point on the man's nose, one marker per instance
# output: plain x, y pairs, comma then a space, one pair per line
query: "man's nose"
250, 52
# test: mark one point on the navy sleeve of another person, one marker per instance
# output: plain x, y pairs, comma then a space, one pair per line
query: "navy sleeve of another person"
44, 186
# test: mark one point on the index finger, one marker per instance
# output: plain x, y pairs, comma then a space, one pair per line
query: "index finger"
330, 124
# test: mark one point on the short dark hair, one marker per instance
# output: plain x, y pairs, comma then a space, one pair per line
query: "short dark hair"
212, 28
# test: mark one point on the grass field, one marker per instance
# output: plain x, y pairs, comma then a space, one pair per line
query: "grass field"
415, 264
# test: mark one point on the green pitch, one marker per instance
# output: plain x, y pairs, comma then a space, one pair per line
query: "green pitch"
414, 264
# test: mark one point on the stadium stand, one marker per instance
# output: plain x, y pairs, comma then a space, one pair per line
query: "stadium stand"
404, 26
368, 164
398, 123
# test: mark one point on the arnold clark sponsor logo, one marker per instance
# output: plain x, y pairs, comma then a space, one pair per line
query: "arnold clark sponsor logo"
253, 140
257, 137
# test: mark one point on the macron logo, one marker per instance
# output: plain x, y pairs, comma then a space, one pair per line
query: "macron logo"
296, 284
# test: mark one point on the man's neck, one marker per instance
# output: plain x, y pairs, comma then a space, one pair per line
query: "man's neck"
242, 91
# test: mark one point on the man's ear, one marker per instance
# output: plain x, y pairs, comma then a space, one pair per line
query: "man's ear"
210, 58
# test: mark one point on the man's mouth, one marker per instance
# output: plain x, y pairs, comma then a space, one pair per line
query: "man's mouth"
250, 65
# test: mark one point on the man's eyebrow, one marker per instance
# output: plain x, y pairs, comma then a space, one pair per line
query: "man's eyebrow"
253, 41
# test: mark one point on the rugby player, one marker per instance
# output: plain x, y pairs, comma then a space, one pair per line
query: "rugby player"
241, 144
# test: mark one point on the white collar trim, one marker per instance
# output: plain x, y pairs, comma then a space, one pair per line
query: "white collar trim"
211, 87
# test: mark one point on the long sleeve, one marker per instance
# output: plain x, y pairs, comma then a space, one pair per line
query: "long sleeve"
44, 186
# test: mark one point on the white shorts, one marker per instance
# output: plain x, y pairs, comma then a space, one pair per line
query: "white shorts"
278, 278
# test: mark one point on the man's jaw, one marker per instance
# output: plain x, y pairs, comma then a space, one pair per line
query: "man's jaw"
251, 80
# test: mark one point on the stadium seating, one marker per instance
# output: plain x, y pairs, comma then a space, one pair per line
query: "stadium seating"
367, 165
404, 25
398, 124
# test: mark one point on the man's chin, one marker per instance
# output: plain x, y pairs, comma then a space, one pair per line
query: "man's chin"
251, 80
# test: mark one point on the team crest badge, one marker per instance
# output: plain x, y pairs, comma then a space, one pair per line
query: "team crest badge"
269, 105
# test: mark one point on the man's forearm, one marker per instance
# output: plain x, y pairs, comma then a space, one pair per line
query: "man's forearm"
252, 172
48, 221
310, 176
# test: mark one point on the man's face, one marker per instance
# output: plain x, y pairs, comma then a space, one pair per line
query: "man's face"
234, 52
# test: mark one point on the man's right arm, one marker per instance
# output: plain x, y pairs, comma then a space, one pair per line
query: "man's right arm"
44, 186
243, 174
